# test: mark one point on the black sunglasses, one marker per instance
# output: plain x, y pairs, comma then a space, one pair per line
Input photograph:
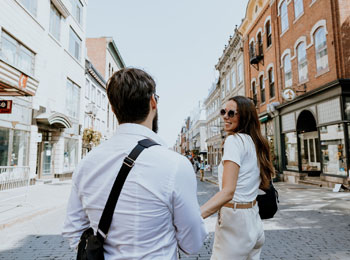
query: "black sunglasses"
230, 113
156, 97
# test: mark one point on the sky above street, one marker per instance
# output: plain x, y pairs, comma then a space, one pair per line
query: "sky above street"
178, 42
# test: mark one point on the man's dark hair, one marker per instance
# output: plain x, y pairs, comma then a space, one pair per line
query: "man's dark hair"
129, 91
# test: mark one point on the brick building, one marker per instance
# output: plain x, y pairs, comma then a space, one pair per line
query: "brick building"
309, 58
315, 77
260, 47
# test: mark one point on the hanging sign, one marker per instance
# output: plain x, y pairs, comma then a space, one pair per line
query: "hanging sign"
288, 94
5, 106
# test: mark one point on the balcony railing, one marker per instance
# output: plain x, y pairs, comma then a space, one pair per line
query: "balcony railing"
14, 177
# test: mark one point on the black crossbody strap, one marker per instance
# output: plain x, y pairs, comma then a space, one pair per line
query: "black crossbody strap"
129, 161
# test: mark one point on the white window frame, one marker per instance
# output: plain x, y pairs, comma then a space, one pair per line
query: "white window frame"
240, 72
87, 89
99, 98
31, 6
75, 44
93, 93
298, 8
103, 101
284, 16
72, 99
18, 53
77, 11
55, 22
302, 62
319, 49
233, 78
289, 82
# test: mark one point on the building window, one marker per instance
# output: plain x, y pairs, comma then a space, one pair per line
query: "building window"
16, 54
291, 151
333, 150
302, 62
251, 49
271, 83
255, 93
55, 22
268, 34
99, 98
321, 49
93, 94
30, 5
298, 8
233, 76
77, 10
14, 147
287, 67
284, 17
74, 44
228, 83
103, 101
87, 89
72, 99
262, 89
222, 91
70, 154
260, 44
240, 73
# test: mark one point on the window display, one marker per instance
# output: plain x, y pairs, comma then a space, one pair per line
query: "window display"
291, 148
333, 150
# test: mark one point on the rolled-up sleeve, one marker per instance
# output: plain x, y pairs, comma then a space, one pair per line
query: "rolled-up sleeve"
190, 227
76, 220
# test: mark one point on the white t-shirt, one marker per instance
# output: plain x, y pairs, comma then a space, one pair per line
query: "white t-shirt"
240, 148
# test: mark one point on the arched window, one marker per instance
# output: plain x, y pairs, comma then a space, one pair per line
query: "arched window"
233, 78
228, 83
321, 49
298, 8
268, 34
287, 67
302, 62
262, 89
254, 92
284, 17
271, 83
260, 44
252, 49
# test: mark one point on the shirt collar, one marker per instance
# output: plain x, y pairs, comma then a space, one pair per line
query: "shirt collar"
137, 129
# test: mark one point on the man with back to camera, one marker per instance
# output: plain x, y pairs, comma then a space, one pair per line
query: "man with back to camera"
157, 209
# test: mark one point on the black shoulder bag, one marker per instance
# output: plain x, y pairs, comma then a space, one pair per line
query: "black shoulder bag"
90, 245
268, 203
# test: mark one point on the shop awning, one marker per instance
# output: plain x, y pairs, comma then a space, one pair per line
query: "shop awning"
264, 118
54, 119
14, 83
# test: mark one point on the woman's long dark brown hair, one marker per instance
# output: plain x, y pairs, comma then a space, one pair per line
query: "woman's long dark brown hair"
249, 124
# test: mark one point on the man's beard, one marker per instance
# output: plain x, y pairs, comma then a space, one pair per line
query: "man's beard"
155, 123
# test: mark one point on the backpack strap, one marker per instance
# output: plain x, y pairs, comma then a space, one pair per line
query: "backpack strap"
128, 163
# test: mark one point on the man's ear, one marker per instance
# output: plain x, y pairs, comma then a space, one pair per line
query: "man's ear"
153, 102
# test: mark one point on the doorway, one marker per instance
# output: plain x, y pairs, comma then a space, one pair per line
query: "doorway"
45, 155
309, 144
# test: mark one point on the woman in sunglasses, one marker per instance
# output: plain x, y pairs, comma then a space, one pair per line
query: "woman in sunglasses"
245, 166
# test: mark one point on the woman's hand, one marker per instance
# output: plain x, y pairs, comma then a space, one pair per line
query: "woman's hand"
229, 183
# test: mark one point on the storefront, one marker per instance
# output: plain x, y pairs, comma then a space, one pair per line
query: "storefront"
315, 134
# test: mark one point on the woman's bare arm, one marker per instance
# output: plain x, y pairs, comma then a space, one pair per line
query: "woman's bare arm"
229, 182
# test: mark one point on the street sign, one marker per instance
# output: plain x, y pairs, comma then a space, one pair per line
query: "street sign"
5, 106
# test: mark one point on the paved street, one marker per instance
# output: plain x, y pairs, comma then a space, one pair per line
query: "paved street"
312, 223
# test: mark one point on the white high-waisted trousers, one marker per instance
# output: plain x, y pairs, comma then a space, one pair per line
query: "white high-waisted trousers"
239, 234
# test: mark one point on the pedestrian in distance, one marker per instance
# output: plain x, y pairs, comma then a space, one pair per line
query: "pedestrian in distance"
157, 211
245, 166
201, 170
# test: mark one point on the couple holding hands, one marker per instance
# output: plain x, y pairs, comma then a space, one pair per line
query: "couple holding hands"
157, 210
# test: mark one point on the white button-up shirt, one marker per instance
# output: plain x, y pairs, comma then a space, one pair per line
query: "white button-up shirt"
157, 208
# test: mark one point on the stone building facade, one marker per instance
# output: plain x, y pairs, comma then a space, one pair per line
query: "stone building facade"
42, 58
